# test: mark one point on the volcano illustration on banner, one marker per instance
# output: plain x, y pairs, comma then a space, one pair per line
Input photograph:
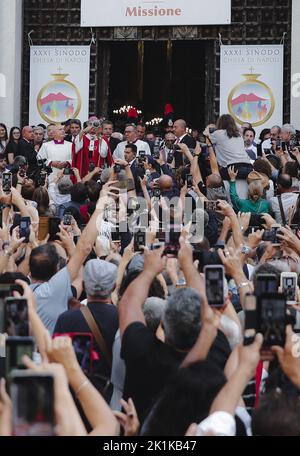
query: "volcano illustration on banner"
59, 100
251, 101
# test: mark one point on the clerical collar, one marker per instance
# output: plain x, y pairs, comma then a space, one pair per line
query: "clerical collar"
59, 142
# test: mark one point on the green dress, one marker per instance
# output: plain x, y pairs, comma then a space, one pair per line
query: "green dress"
258, 207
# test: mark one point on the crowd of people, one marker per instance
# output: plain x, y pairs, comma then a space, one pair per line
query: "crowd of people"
149, 280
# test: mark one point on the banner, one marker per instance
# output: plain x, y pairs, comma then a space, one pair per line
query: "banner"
251, 84
101, 13
59, 83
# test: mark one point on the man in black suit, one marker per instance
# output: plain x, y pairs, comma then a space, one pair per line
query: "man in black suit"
26, 149
107, 129
184, 138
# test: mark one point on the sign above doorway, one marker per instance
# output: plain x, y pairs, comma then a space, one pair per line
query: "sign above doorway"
117, 13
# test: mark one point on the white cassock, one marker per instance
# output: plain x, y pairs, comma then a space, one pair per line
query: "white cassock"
56, 151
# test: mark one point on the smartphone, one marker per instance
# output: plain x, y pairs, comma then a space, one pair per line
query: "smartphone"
172, 245
15, 349
68, 172
25, 223
67, 220
211, 205
6, 291
156, 192
32, 396
189, 181
54, 223
16, 317
288, 285
266, 283
139, 240
214, 284
250, 326
271, 315
142, 155
83, 347
6, 182
115, 235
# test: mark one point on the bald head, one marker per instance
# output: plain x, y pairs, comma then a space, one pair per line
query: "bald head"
214, 181
165, 182
27, 133
180, 128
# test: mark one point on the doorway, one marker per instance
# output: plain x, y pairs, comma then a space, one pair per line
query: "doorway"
149, 74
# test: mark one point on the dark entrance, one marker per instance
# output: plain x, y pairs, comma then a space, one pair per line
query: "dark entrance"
149, 74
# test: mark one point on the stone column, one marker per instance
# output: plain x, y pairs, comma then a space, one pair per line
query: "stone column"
295, 70
11, 32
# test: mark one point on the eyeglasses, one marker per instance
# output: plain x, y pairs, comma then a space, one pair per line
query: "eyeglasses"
129, 131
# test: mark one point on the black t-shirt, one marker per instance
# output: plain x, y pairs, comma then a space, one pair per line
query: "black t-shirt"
150, 363
106, 316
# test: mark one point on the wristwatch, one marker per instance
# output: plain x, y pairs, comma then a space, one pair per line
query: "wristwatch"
245, 250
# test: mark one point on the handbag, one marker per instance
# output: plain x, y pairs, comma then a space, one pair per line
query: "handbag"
101, 381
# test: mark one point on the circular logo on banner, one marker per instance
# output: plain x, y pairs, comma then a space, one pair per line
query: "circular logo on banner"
59, 100
251, 101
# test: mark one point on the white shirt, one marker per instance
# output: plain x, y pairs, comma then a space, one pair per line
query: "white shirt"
103, 144
141, 145
266, 144
288, 200
56, 152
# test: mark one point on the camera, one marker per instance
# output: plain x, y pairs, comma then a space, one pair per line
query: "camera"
271, 235
43, 172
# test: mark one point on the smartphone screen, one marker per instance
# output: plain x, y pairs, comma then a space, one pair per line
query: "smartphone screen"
139, 241
172, 236
250, 325
189, 181
288, 285
271, 312
115, 235
6, 182
214, 284
54, 223
83, 348
210, 205
32, 395
266, 283
17, 323
15, 349
25, 228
